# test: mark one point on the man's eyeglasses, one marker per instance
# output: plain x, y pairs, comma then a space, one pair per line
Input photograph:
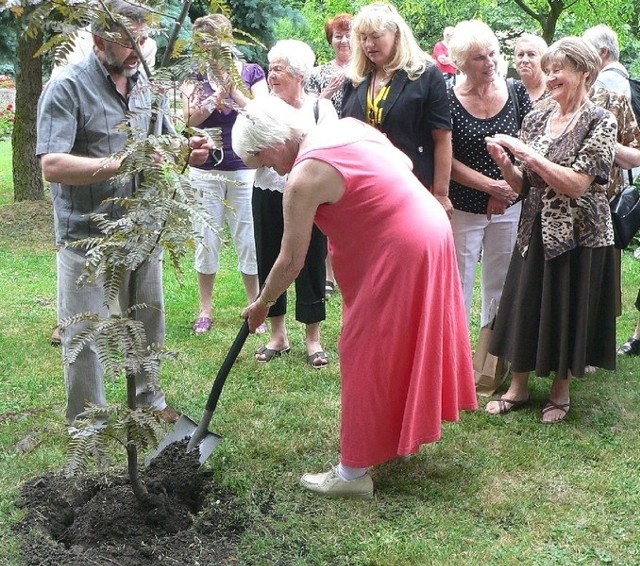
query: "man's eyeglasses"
124, 41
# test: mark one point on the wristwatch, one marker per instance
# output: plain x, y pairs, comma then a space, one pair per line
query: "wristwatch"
266, 303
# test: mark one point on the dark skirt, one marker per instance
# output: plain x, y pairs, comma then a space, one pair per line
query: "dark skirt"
558, 315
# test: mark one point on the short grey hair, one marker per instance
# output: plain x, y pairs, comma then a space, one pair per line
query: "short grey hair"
575, 53
267, 121
298, 56
468, 36
538, 42
603, 37
125, 13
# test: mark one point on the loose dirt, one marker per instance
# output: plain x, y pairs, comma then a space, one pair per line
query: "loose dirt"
98, 521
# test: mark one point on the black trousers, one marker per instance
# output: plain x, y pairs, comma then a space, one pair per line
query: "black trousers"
268, 227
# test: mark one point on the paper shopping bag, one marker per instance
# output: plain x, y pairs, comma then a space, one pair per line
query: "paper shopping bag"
490, 371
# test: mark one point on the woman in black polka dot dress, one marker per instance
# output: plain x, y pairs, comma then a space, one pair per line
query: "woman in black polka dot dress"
486, 209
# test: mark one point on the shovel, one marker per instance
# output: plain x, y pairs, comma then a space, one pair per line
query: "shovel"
197, 433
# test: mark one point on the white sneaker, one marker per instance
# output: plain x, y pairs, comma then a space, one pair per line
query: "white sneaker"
331, 484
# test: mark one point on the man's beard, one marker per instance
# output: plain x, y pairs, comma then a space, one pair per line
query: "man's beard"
118, 68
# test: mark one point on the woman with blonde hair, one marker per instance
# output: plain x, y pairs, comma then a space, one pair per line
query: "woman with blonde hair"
486, 210
395, 87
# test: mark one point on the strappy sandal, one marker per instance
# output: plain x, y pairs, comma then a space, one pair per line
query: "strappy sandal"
507, 405
318, 360
268, 354
630, 348
552, 406
329, 289
202, 325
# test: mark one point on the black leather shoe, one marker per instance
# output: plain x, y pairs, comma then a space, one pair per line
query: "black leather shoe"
630, 348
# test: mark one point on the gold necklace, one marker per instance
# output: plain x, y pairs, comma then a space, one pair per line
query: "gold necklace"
378, 83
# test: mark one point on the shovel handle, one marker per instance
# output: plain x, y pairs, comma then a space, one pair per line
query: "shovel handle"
201, 430
226, 366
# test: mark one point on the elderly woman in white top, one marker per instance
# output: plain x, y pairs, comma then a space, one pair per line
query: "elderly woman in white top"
290, 62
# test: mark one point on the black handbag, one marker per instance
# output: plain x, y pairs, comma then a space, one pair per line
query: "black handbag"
625, 213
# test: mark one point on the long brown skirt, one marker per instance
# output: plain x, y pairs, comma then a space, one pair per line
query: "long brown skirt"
558, 315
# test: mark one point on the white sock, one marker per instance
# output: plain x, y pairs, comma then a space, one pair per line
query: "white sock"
348, 473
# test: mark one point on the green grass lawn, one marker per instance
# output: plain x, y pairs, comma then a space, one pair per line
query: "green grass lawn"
5, 172
493, 491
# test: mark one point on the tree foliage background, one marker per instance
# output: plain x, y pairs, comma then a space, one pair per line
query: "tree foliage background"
508, 18
269, 20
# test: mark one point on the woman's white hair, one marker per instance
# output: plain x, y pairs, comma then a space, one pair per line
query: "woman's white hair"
267, 121
408, 55
297, 55
468, 36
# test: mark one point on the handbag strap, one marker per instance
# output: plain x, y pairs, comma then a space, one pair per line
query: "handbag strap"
515, 101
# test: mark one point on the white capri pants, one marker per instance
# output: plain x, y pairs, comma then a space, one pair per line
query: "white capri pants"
496, 238
226, 196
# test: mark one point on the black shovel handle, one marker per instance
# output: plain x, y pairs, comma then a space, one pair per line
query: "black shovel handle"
201, 430
226, 366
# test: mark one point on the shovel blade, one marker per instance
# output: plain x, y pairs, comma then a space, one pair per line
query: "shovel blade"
183, 430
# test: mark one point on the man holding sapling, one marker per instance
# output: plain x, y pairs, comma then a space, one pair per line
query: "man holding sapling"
78, 117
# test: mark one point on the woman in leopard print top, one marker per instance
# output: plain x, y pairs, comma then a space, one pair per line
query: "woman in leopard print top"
557, 312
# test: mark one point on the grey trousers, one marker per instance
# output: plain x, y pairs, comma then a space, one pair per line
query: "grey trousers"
84, 377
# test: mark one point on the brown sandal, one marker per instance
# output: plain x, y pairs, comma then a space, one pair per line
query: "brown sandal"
507, 405
552, 406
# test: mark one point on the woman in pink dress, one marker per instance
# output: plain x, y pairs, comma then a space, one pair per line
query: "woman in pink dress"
394, 259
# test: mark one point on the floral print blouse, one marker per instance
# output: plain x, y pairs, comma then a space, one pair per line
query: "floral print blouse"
589, 147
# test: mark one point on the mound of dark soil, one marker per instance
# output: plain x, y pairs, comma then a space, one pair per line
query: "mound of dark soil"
98, 521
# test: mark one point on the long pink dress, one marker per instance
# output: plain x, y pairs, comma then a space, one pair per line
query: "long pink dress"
405, 355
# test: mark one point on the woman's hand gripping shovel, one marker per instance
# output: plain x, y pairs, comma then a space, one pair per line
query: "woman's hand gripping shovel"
197, 433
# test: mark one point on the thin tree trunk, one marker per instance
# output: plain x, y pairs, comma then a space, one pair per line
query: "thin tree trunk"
27, 175
137, 485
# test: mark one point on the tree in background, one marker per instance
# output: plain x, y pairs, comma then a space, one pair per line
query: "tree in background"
308, 23
8, 43
20, 51
27, 177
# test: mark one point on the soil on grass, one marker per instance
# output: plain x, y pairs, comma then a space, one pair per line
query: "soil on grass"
97, 520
